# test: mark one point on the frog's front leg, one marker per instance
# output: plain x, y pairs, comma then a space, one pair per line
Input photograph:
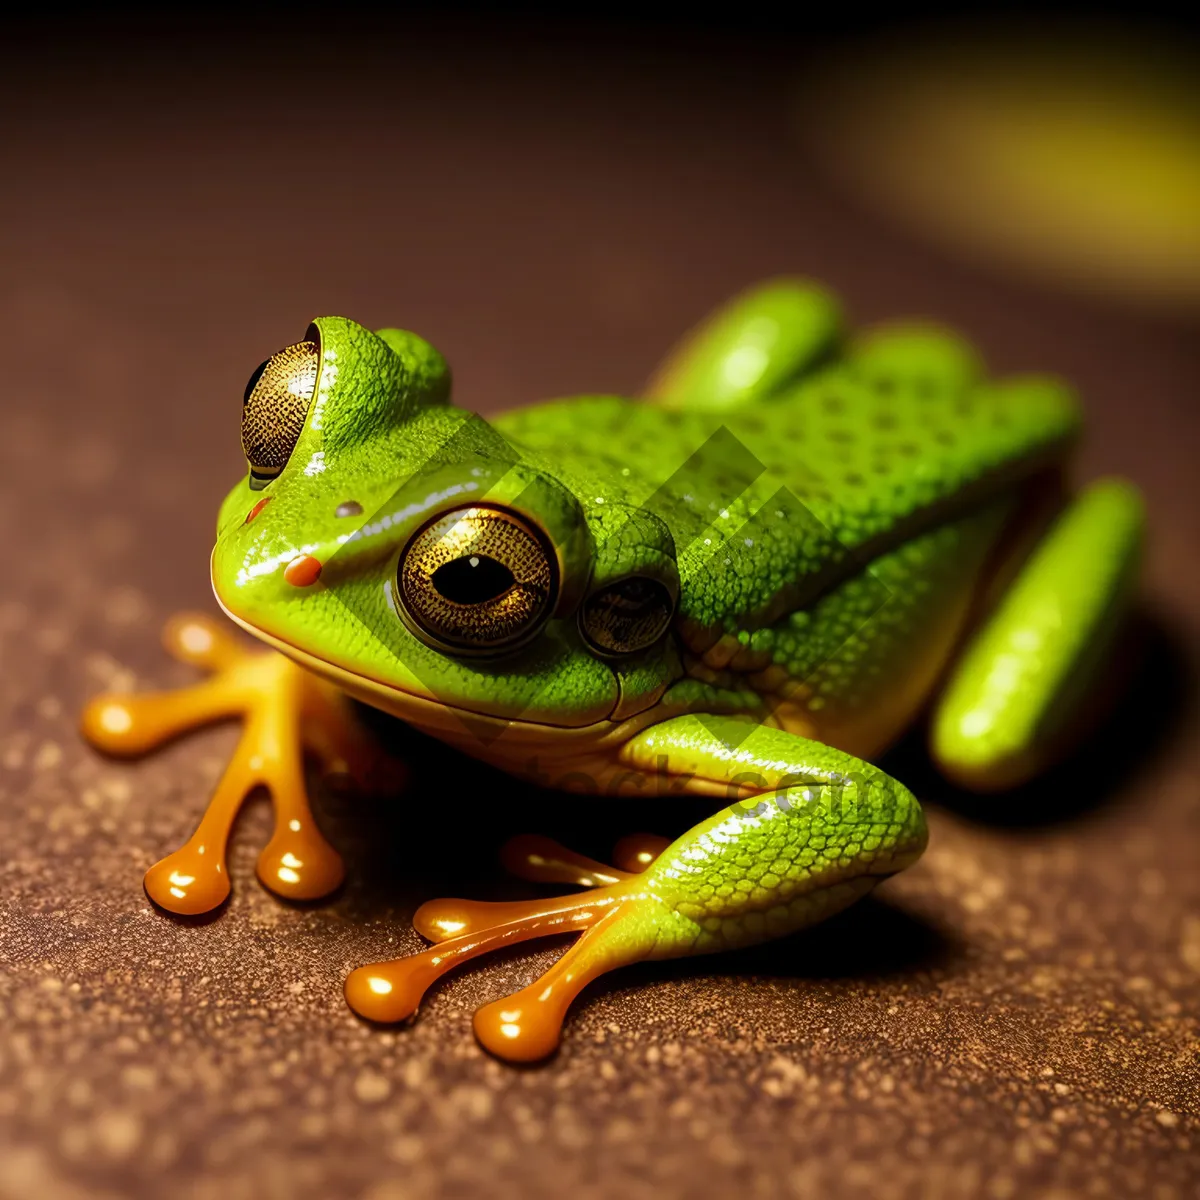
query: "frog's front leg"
287, 711
806, 830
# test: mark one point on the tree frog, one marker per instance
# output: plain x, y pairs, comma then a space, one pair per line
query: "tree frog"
743, 584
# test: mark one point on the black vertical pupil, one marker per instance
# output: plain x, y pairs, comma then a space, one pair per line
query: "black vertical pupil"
472, 579
262, 366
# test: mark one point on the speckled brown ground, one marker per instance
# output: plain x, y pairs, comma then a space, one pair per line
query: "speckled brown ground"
1016, 1016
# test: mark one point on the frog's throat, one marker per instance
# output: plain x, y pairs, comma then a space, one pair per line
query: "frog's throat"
481, 735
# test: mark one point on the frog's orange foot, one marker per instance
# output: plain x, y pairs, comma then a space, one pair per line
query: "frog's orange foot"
543, 860
287, 711
527, 1026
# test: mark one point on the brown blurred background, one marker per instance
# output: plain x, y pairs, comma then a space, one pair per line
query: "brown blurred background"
551, 202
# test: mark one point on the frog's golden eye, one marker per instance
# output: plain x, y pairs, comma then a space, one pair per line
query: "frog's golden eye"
477, 578
627, 615
274, 407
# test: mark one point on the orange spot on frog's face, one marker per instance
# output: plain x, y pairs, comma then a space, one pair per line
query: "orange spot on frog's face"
302, 571
257, 509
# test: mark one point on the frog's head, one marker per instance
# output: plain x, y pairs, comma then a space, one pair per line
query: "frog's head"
407, 550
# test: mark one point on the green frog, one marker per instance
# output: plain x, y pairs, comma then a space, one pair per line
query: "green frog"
743, 584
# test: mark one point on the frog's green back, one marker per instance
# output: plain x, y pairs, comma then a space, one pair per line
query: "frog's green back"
773, 500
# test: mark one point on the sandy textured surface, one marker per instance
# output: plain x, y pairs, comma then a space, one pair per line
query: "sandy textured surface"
1016, 1016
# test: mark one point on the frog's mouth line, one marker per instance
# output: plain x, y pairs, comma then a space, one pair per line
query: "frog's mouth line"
451, 723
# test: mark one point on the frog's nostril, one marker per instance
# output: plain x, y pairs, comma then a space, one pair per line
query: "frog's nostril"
348, 508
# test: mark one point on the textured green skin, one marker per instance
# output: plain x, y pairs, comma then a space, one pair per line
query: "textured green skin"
1021, 677
794, 853
845, 506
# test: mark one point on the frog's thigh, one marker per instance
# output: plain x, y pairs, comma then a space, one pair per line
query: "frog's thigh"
751, 347
808, 831
915, 353
1008, 706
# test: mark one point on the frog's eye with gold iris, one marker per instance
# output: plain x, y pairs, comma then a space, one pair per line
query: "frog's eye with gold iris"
274, 407
627, 615
477, 579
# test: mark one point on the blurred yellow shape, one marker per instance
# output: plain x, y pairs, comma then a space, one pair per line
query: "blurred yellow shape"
1071, 153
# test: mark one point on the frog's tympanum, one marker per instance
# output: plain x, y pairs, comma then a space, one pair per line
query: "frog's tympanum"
742, 585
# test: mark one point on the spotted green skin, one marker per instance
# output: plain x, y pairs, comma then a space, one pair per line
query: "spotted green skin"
829, 506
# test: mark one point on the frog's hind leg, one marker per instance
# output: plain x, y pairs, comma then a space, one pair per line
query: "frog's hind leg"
391, 991
543, 860
540, 860
815, 831
752, 347
1013, 701
287, 711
